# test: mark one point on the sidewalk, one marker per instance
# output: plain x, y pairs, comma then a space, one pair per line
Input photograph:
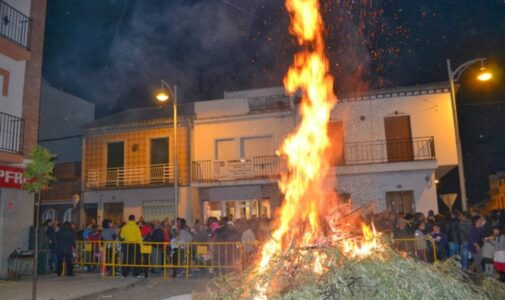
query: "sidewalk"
52, 287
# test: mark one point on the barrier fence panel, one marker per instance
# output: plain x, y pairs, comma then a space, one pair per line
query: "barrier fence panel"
115, 258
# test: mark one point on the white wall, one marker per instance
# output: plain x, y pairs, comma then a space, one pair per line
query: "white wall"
13, 103
132, 199
14, 223
205, 133
430, 115
373, 187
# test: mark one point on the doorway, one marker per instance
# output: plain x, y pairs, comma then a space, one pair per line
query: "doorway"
398, 139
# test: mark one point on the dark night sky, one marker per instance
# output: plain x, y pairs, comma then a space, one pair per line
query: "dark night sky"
114, 52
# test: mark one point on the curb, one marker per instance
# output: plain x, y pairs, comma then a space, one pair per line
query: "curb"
95, 294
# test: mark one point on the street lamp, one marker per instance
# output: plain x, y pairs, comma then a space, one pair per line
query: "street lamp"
454, 76
164, 94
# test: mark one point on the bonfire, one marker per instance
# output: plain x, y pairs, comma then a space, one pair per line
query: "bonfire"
316, 251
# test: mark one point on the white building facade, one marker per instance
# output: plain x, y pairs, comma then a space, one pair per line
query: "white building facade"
234, 141
388, 147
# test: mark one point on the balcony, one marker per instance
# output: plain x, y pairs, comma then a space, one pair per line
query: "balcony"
269, 167
130, 176
11, 133
259, 167
401, 150
15, 30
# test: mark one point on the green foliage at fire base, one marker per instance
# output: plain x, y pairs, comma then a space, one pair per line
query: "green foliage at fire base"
387, 275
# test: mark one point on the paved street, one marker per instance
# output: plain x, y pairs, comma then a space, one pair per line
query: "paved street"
92, 286
157, 289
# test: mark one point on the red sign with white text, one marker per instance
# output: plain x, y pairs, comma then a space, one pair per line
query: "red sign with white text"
11, 177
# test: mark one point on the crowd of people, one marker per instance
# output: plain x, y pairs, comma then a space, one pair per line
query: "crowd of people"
479, 240
166, 237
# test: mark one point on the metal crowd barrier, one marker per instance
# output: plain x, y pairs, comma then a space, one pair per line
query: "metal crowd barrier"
109, 257
112, 258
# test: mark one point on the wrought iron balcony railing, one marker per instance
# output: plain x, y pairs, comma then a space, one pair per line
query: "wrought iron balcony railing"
259, 167
263, 167
11, 133
14, 25
130, 176
400, 150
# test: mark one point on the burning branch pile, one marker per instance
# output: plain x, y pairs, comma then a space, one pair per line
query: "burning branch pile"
316, 251
384, 275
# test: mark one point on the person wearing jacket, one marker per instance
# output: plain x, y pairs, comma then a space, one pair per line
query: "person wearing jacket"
465, 226
131, 236
156, 236
65, 242
453, 234
109, 235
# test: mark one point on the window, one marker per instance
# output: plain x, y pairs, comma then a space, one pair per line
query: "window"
400, 201
115, 155
68, 216
158, 211
48, 214
115, 162
225, 149
4, 82
159, 151
256, 146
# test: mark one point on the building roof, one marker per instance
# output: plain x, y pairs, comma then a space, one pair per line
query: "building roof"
256, 103
430, 88
421, 89
138, 117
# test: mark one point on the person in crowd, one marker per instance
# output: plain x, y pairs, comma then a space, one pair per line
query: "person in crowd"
439, 239
421, 242
430, 220
51, 241
248, 239
109, 235
499, 254
488, 250
65, 243
465, 226
474, 243
145, 229
176, 248
130, 234
453, 234
157, 238
94, 237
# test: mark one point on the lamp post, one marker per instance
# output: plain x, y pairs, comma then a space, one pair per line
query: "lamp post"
454, 76
164, 94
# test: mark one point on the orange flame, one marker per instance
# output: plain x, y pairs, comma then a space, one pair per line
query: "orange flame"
304, 204
365, 246
305, 149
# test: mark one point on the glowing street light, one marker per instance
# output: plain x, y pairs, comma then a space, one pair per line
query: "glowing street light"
484, 75
454, 77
